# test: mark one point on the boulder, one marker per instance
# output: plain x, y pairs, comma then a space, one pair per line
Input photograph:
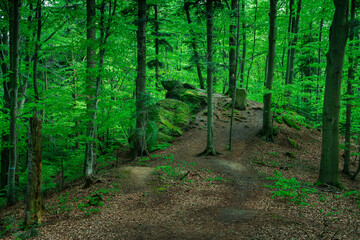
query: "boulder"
173, 118
241, 101
187, 93
196, 99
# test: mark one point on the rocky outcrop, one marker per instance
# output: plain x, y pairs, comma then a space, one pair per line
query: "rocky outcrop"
241, 100
187, 93
173, 118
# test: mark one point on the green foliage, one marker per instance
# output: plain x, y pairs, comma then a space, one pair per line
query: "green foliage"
290, 189
354, 195
173, 171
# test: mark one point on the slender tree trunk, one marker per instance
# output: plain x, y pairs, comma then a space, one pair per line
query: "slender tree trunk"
349, 92
243, 56
5, 137
232, 45
91, 89
210, 148
329, 167
156, 46
292, 42
194, 47
253, 48
267, 129
140, 145
34, 199
14, 77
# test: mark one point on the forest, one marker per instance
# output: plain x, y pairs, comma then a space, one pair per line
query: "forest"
187, 119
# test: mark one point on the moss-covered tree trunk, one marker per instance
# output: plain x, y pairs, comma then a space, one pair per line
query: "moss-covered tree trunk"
141, 111
329, 168
267, 129
14, 79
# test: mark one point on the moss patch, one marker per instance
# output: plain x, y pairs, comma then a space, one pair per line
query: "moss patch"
289, 121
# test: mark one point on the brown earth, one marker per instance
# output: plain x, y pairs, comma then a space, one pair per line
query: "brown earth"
209, 197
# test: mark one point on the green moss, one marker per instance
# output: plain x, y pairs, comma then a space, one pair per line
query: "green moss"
195, 99
278, 120
293, 143
289, 121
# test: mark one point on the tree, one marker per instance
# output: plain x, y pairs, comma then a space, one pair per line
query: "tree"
14, 78
34, 199
193, 45
350, 91
210, 148
91, 89
267, 129
140, 148
293, 30
329, 167
232, 45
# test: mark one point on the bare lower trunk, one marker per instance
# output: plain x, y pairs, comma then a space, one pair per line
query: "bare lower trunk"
34, 203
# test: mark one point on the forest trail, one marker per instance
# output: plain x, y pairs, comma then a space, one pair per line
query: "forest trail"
221, 197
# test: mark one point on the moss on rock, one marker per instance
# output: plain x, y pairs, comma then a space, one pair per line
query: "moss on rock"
289, 121
197, 100
173, 119
293, 143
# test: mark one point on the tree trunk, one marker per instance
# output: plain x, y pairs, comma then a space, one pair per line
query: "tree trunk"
194, 47
292, 41
156, 46
329, 168
34, 199
210, 149
349, 92
232, 45
253, 48
267, 129
243, 56
140, 145
91, 89
14, 77
5, 150
34, 203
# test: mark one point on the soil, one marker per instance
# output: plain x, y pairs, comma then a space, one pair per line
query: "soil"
206, 197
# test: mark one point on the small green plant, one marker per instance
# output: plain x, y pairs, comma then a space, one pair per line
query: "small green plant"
143, 161
290, 189
353, 194
161, 146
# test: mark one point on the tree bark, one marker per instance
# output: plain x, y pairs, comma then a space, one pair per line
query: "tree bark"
14, 78
34, 203
329, 167
91, 89
267, 129
349, 92
140, 144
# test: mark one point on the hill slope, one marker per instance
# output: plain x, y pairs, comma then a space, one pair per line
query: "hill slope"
177, 195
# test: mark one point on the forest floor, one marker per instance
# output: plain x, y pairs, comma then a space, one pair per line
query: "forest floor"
177, 195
